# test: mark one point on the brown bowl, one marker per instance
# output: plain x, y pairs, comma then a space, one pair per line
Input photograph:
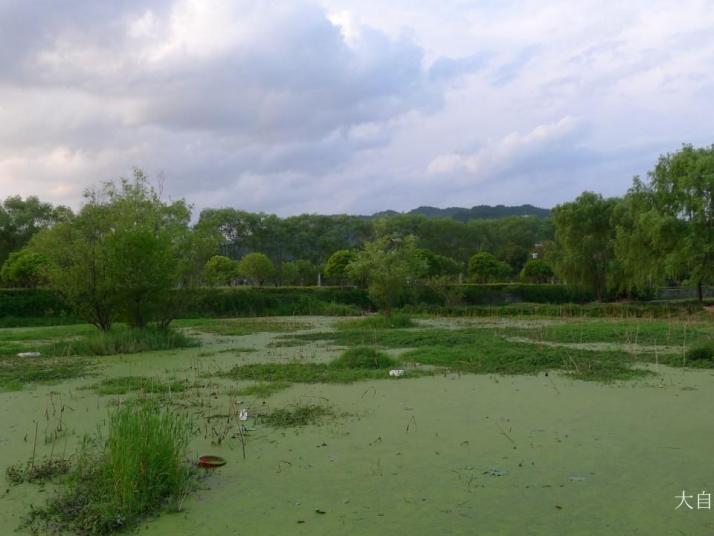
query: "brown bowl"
211, 462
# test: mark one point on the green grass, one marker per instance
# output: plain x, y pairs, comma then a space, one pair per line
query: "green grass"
262, 389
17, 372
307, 373
85, 340
117, 482
394, 321
483, 351
242, 326
637, 331
125, 384
296, 415
123, 341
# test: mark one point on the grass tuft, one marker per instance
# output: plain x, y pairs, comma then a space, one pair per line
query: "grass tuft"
363, 357
297, 415
123, 341
114, 484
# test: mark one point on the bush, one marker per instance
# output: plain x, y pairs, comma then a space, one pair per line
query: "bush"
700, 353
24, 268
363, 357
134, 473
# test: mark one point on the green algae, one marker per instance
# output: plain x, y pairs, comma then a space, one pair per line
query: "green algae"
574, 457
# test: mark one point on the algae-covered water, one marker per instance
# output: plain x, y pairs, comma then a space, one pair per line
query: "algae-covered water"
450, 454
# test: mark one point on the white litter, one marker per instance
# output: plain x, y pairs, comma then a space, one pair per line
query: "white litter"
243, 415
396, 373
29, 354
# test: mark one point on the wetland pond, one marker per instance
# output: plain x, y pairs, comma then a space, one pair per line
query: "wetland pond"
472, 448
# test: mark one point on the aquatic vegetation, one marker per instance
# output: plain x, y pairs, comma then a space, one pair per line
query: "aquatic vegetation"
125, 384
262, 389
41, 471
243, 326
296, 415
482, 351
123, 341
115, 483
17, 372
298, 372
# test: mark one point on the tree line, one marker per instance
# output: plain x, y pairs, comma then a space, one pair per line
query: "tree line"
129, 247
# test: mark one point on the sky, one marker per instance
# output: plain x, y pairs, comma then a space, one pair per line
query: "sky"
350, 106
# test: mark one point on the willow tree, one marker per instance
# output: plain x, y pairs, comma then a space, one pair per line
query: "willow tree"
668, 228
583, 255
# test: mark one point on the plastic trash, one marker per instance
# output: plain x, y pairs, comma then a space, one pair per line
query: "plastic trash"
243, 415
29, 354
396, 373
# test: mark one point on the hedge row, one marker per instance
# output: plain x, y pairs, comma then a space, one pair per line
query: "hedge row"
568, 310
507, 293
16, 304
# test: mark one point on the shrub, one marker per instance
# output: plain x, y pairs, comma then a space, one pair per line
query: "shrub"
700, 353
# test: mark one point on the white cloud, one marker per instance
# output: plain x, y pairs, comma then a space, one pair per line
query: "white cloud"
507, 152
327, 105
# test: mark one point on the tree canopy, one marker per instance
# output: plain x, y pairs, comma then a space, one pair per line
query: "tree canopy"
124, 254
390, 265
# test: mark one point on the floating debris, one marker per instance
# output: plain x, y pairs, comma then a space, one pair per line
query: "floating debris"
395, 373
243, 414
29, 354
496, 472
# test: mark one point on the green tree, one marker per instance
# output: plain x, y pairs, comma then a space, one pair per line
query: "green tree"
21, 219
337, 263
220, 270
24, 268
288, 273
390, 265
484, 267
124, 254
256, 267
583, 256
439, 265
536, 271
670, 220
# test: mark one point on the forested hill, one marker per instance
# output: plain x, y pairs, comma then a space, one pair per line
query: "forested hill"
480, 212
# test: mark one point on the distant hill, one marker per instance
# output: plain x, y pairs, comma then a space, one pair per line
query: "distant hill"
480, 212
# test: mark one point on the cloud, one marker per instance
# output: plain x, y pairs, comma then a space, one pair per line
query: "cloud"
331, 105
508, 152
